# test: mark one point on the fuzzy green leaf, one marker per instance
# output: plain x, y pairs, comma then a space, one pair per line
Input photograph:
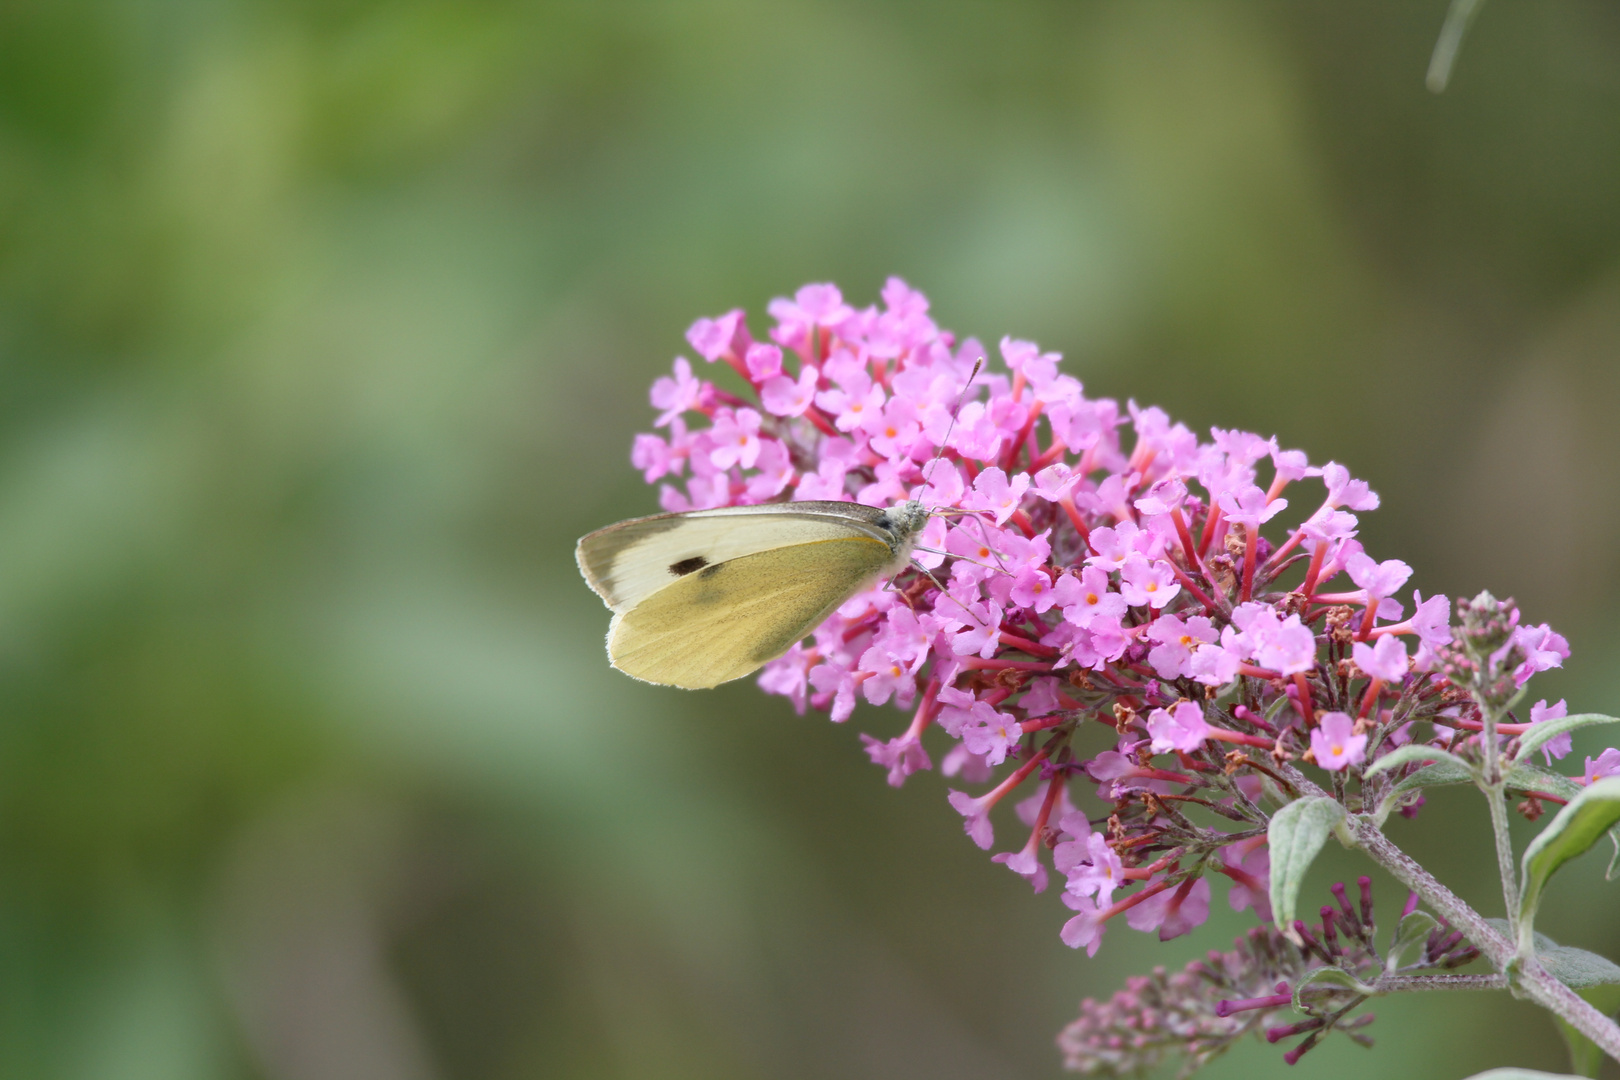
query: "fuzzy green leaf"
1405, 755
1585, 1056
1527, 776
1596, 978
1524, 776
1329, 978
1577, 968
1575, 829
1550, 729
1414, 929
1295, 836
1439, 774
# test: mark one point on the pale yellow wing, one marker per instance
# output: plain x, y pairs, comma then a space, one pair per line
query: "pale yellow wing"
629, 561
726, 620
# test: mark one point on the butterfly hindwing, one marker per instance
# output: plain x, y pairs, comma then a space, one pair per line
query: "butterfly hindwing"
724, 620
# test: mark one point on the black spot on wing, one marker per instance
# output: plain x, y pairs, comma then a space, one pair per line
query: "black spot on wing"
686, 566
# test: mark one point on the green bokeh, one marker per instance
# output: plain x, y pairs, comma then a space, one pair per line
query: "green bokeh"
324, 330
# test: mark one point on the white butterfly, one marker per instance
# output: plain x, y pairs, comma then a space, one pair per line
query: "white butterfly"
708, 596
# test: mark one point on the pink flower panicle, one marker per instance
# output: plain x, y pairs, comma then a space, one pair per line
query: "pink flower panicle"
1116, 603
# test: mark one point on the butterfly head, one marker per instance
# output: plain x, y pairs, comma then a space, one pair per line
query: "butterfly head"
906, 519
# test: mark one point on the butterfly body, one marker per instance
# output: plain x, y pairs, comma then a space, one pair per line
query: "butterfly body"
708, 596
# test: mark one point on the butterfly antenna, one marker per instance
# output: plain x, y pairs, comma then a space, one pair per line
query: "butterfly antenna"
961, 558
984, 532
928, 574
974, 374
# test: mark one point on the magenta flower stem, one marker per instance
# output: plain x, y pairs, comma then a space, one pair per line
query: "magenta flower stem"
1034, 648
1211, 524
1251, 540
1501, 729
1076, 520
1368, 618
1282, 997
1189, 550
1223, 735
1306, 707
1142, 873
1277, 557
1054, 788
927, 709
1011, 457
1192, 586
995, 664
1314, 571
1161, 774
1052, 454
1119, 907
997, 793
1277, 1034
1374, 688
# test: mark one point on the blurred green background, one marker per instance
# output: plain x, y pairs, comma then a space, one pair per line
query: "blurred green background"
324, 330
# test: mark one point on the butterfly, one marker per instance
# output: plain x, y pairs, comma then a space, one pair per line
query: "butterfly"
708, 596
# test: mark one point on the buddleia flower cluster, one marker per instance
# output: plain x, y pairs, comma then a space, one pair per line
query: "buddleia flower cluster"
1118, 634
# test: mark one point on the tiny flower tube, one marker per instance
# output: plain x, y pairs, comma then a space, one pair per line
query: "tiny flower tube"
1352, 922
1223, 735
1309, 939
1277, 1034
1306, 708
1462, 956
1330, 932
1292, 1057
1283, 996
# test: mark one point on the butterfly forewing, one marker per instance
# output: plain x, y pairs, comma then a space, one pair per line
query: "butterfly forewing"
724, 620
628, 562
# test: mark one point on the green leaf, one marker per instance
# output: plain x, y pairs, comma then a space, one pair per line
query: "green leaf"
1436, 775
1577, 968
1575, 829
1585, 1056
1521, 1074
1413, 930
1596, 978
1550, 729
1329, 978
1526, 776
1405, 755
1295, 836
